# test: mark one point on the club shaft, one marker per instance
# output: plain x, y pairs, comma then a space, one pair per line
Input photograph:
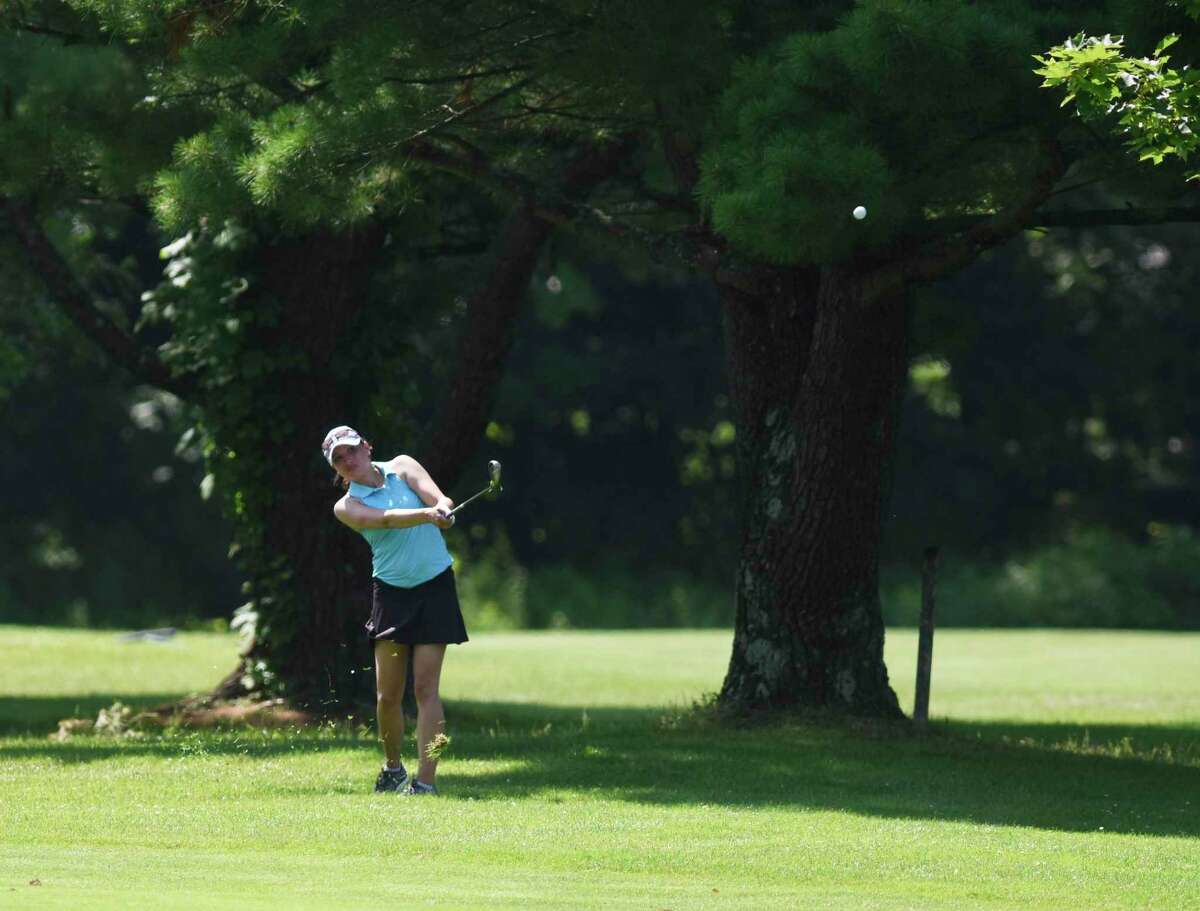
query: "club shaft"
469, 499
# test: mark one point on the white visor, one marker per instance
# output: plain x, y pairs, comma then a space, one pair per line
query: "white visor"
339, 436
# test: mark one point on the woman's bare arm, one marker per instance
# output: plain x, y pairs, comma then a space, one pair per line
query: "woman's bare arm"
416, 477
358, 515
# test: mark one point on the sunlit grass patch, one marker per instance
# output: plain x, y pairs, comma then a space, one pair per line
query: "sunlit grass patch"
579, 778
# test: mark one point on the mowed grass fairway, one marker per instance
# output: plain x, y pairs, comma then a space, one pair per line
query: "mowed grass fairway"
1063, 772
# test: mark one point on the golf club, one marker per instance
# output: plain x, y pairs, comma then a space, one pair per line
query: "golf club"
493, 486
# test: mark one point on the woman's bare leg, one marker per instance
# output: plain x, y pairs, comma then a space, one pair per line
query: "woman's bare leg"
431, 720
391, 660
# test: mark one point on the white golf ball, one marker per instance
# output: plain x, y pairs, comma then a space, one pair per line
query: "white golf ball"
554, 284
860, 212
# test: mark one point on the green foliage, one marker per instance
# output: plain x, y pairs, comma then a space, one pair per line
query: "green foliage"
102, 526
14, 365
78, 115
18, 326
1029, 411
830, 120
214, 330
1096, 578
117, 539
492, 585
292, 162
929, 379
499, 593
614, 597
1151, 105
205, 181
218, 339
610, 404
302, 112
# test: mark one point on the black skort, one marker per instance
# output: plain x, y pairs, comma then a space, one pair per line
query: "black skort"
427, 614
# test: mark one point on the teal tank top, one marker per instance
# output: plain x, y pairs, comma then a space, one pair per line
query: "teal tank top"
404, 557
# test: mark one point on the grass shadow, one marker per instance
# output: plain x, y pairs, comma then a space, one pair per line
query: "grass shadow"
1142, 779
1139, 779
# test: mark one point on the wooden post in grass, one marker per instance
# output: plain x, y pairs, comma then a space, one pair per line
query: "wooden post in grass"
925, 640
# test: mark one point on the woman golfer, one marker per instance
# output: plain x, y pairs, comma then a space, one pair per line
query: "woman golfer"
398, 508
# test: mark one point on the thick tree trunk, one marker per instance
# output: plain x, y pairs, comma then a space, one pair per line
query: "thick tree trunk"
308, 576
815, 369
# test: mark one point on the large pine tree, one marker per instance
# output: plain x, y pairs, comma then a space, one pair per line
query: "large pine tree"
734, 137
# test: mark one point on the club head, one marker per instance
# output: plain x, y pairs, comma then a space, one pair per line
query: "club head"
494, 474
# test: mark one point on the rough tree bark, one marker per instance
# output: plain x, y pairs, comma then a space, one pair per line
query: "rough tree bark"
321, 281
816, 363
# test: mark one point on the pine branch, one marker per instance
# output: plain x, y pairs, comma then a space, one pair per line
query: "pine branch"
692, 246
67, 37
209, 92
457, 115
472, 164
458, 77
1083, 218
947, 254
457, 39
534, 110
70, 296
